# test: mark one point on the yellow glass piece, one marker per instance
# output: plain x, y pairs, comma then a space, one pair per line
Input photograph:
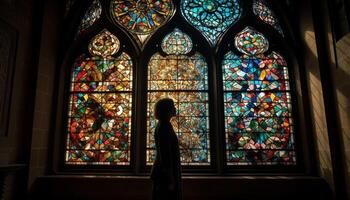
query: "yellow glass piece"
104, 44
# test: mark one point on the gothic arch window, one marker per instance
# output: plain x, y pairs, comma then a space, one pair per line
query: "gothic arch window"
100, 105
183, 78
258, 110
222, 55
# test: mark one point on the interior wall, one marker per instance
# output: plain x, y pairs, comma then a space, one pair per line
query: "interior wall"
22, 24
342, 88
334, 67
14, 147
28, 142
313, 78
42, 139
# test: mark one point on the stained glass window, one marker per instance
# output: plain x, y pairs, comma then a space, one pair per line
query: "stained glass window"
211, 17
251, 43
261, 10
257, 118
177, 43
99, 116
257, 102
92, 14
142, 17
184, 79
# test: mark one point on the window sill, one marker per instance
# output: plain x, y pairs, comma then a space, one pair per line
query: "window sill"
195, 187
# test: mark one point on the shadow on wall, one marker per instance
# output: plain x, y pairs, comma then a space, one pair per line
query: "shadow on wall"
341, 73
342, 84
317, 107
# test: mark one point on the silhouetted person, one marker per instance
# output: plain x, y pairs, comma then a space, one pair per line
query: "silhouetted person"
166, 171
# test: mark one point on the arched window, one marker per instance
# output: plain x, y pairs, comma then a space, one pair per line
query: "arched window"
182, 77
100, 104
223, 55
258, 123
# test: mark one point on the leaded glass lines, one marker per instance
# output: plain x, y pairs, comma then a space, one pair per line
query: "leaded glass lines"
258, 123
184, 79
100, 106
177, 43
257, 102
105, 44
142, 17
211, 17
191, 125
250, 42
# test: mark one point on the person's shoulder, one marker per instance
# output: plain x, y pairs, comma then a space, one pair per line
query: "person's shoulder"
164, 124
164, 129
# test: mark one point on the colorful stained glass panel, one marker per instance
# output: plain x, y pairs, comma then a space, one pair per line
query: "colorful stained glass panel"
258, 108
97, 157
99, 125
211, 17
104, 44
184, 79
100, 107
264, 104
96, 75
142, 17
191, 126
177, 73
251, 42
255, 73
177, 43
262, 157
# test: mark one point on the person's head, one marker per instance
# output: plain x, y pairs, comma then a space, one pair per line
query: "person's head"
164, 109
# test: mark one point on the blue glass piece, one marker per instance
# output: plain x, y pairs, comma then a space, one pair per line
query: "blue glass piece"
258, 111
211, 17
142, 17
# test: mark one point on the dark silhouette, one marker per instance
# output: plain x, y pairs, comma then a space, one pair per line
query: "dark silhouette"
166, 171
